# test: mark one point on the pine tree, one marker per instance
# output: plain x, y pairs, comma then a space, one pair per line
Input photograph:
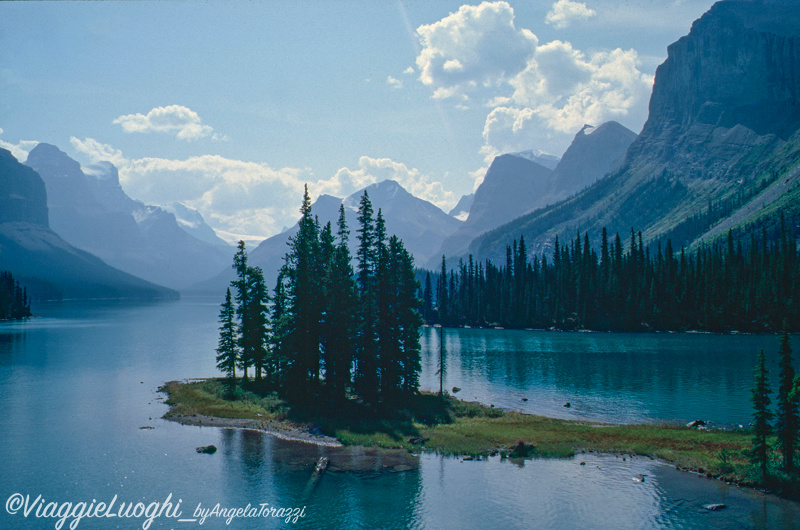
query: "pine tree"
227, 349
303, 296
762, 416
281, 324
442, 295
427, 299
366, 374
787, 417
339, 316
256, 340
242, 302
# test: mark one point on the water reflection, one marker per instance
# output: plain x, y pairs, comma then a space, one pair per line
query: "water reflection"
604, 376
76, 386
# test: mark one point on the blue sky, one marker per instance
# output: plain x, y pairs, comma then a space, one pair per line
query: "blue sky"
231, 107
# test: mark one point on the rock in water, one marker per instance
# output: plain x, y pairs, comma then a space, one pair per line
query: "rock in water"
714, 507
207, 449
321, 466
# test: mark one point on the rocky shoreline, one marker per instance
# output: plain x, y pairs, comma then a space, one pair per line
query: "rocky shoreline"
306, 447
283, 430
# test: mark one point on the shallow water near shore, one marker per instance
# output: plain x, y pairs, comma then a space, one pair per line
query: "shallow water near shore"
78, 384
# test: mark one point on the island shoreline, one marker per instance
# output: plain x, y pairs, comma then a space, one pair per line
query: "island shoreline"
630, 439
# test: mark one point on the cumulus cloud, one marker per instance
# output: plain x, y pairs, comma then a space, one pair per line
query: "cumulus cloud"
347, 181
394, 83
183, 121
19, 150
98, 152
235, 196
539, 94
477, 46
560, 90
239, 197
565, 12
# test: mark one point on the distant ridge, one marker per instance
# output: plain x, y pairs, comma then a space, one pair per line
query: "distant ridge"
719, 147
421, 226
43, 262
90, 210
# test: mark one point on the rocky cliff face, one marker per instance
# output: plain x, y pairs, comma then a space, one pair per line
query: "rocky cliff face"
22, 193
731, 84
594, 152
90, 210
514, 185
45, 264
723, 122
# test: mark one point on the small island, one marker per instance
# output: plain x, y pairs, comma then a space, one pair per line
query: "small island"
448, 426
335, 355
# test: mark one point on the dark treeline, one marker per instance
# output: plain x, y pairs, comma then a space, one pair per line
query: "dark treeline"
776, 464
328, 331
14, 302
720, 287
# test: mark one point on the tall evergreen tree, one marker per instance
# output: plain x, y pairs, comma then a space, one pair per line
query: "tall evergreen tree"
242, 303
227, 348
762, 416
303, 296
256, 341
340, 314
366, 368
427, 299
442, 294
787, 418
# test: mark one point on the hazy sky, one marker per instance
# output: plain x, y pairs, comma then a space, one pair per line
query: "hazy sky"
231, 107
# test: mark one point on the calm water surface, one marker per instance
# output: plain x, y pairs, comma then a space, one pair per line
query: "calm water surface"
78, 384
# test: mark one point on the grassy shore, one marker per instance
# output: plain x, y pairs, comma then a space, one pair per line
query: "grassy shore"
453, 427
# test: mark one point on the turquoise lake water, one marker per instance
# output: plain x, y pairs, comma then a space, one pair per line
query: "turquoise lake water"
78, 384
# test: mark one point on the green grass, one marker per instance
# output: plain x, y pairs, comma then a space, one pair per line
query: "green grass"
456, 427
214, 397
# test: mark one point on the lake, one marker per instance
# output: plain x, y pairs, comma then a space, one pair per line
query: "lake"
80, 422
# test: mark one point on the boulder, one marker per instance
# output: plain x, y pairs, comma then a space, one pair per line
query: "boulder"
207, 449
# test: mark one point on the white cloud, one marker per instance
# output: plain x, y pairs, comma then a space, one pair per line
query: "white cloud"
98, 152
562, 89
540, 95
183, 121
233, 195
565, 12
394, 83
239, 197
477, 46
19, 150
409, 71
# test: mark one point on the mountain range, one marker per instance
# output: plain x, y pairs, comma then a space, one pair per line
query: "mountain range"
518, 183
720, 152
421, 226
90, 210
719, 149
48, 266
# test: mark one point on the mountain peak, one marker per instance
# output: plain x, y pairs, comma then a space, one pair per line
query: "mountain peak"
47, 155
540, 157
